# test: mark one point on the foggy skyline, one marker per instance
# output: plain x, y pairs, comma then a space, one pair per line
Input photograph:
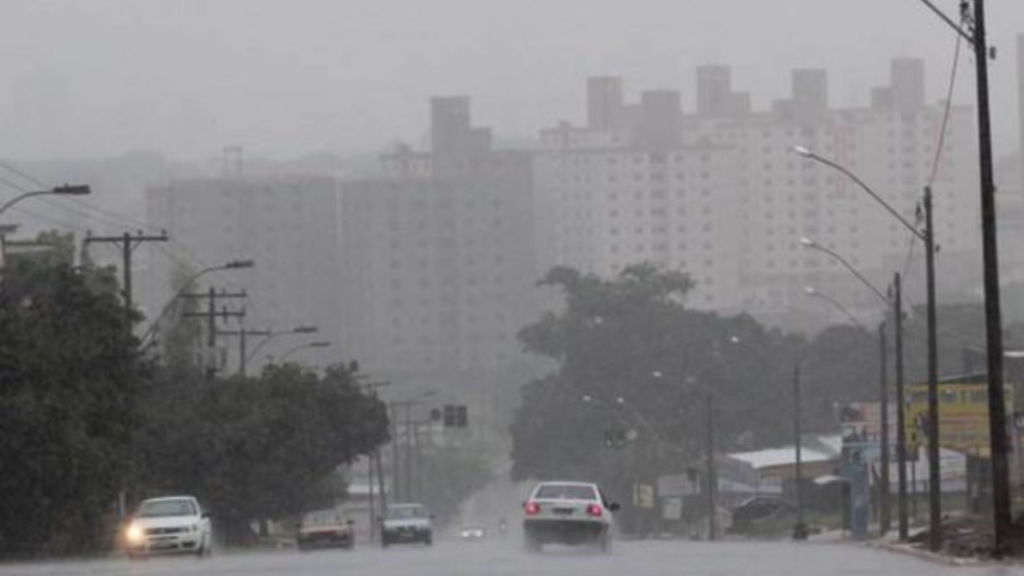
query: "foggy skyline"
98, 78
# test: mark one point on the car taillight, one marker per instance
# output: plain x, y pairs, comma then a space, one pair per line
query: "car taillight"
594, 510
532, 508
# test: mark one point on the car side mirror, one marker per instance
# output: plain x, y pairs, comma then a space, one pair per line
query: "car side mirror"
614, 506
207, 515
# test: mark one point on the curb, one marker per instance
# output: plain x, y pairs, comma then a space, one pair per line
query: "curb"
933, 557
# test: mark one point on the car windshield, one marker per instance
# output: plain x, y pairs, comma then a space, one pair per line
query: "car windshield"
406, 512
565, 492
159, 508
637, 287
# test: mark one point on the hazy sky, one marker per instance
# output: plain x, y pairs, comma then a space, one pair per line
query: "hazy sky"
285, 77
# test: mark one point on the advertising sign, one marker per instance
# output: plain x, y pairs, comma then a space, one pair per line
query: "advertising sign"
963, 416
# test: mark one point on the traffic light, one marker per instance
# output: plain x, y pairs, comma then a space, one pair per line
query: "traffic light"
615, 438
456, 416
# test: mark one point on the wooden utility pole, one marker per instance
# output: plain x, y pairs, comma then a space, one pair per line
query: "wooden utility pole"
211, 316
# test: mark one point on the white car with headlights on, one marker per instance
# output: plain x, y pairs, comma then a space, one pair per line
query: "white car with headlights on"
570, 513
170, 525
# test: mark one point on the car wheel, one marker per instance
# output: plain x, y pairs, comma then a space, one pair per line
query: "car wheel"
428, 541
203, 550
532, 544
605, 544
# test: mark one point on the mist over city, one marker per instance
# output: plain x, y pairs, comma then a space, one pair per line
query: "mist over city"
522, 287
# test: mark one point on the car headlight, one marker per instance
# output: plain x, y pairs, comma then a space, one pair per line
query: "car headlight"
134, 534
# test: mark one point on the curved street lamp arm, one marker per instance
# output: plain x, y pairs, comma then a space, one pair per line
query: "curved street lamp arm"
838, 257
151, 331
841, 308
845, 171
264, 342
21, 197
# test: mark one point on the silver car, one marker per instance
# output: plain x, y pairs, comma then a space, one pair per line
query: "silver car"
571, 513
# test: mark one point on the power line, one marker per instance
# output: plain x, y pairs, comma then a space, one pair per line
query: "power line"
939, 148
941, 143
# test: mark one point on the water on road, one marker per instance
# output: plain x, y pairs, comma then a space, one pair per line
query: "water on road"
505, 558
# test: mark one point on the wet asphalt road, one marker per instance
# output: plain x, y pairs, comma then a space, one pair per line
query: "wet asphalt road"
505, 558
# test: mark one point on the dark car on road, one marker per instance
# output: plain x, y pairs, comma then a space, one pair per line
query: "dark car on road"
760, 514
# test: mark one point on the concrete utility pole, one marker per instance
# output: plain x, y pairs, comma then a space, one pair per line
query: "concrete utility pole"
972, 28
243, 336
901, 429
711, 472
884, 506
800, 530
127, 242
211, 316
396, 457
993, 314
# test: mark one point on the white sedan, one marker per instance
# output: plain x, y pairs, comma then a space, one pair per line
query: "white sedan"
175, 524
571, 513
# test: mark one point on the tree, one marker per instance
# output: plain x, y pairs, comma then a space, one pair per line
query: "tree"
633, 338
68, 374
253, 448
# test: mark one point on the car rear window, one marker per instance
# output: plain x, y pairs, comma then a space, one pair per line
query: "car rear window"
565, 492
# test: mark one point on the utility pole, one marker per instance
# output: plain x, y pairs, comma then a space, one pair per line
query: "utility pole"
396, 457
934, 463
381, 489
211, 316
884, 505
901, 430
711, 472
993, 314
370, 463
800, 530
243, 336
408, 452
127, 243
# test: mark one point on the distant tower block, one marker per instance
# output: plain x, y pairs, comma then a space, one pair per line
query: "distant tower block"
234, 161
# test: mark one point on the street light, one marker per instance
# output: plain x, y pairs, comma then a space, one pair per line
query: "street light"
815, 293
317, 344
893, 299
809, 243
994, 335
65, 190
278, 333
230, 265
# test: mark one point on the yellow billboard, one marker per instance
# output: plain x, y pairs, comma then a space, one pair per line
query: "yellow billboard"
963, 416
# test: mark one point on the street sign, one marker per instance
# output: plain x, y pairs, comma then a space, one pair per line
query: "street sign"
643, 496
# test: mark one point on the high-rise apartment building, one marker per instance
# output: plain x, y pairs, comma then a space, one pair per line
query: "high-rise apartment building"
286, 225
1020, 105
724, 197
438, 257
